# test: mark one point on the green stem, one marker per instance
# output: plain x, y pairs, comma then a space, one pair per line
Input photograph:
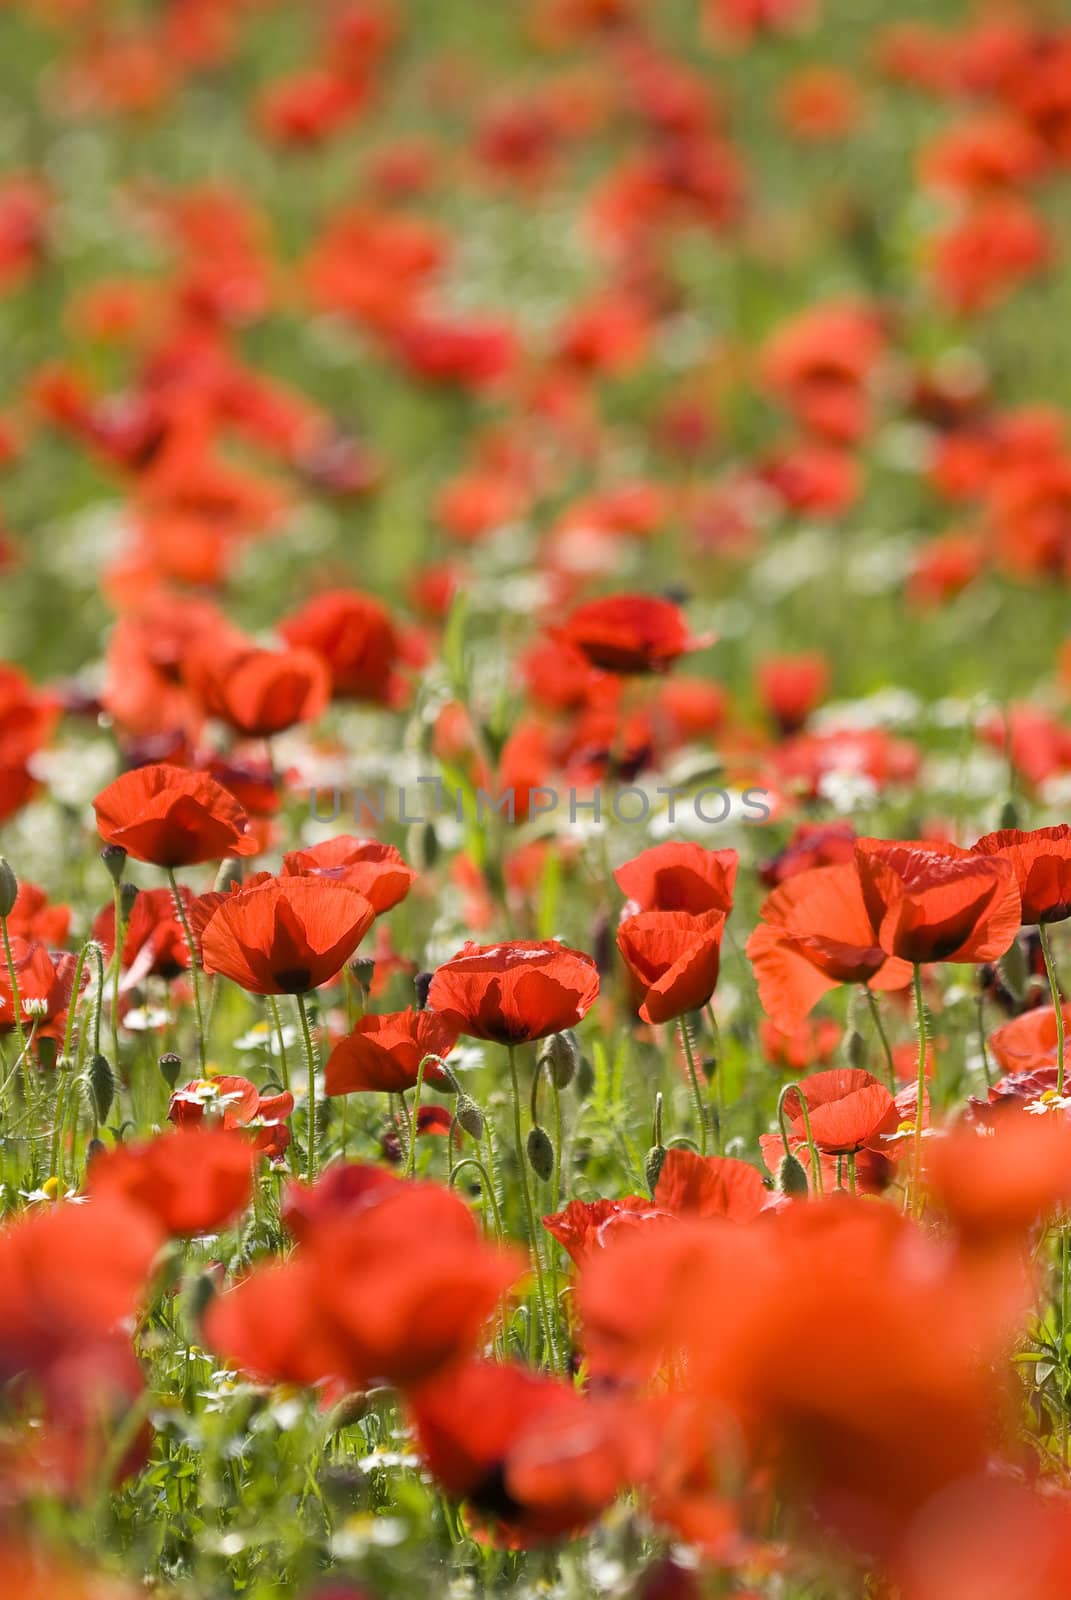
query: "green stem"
414, 1116
920, 1012
195, 965
700, 1109
719, 1086
817, 1180
529, 1208
875, 1012
1054, 990
310, 1112
284, 1066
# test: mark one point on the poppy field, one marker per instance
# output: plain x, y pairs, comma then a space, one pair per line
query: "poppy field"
535, 800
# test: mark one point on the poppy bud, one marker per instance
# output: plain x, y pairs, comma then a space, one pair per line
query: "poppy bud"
114, 858
229, 875
363, 969
350, 1409
422, 983
652, 1166
128, 893
1009, 815
9, 888
541, 1153
585, 1078
562, 1055
792, 1177
423, 845
170, 1066
855, 1051
100, 1085
95, 1148
468, 1115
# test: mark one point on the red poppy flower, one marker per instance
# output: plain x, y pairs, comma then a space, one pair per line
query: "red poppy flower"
1027, 1044
848, 1108
375, 870
285, 936
32, 917
194, 1181
586, 1225
710, 1186
154, 942
45, 980
674, 958
938, 903
512, 993
384, 1053
357, 638
680, 877
1003, 1179
396, 1287
816, 933
172, 818
342, 1187
1041, 860
534, 1457
259, 692
235, 1103
791, 686
630, 633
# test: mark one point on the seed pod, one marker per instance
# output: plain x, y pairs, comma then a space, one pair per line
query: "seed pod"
114, 858
792, 1177
652, 1166
541, 1153
100, 1085
468, 1116
562, 1055
363, 969
170, 1066
9, 888
128, 893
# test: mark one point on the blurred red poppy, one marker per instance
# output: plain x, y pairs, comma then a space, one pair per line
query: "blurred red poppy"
193, 1181
357, 638
258, 692
630, 633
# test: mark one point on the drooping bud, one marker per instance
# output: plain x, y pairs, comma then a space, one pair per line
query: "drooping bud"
652, 1166
114, 858
9, 888
422, 983
468, 1116
562, 1055
170, 1066
100, 1086
792, 1177
540, 1153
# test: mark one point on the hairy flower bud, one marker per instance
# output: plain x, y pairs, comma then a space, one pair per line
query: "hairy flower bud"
792, 1177
9, 887
652, 1166
541, 1153
468, 1116
562, 1055
100, 1086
